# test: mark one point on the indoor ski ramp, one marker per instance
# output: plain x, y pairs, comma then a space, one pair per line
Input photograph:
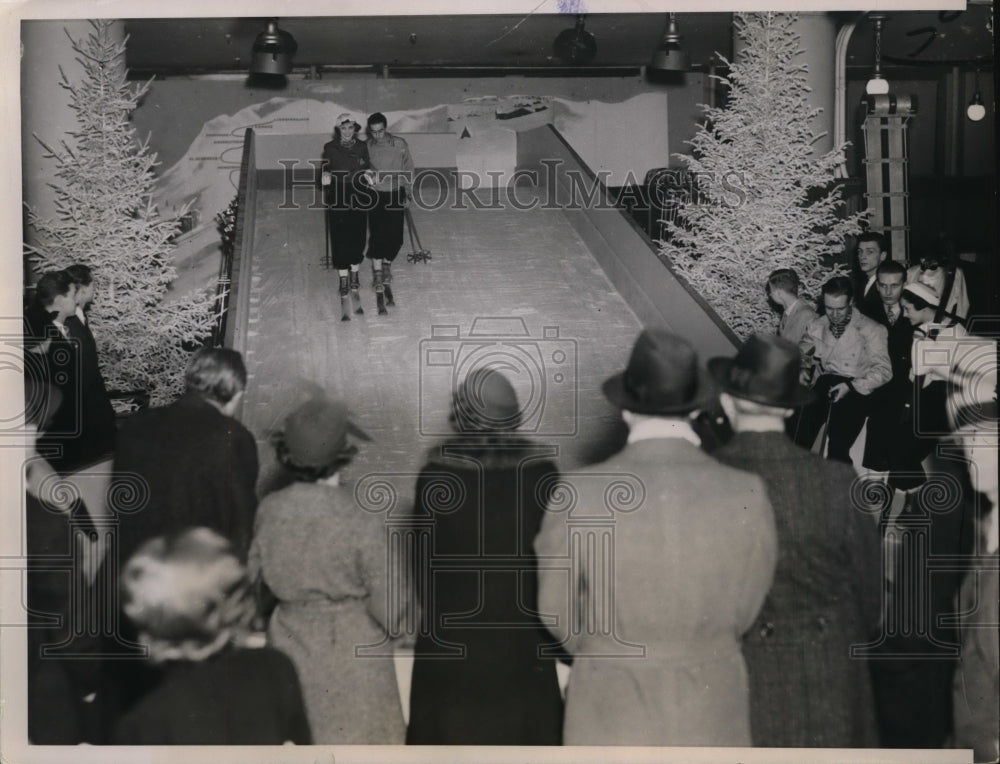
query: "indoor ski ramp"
525, 289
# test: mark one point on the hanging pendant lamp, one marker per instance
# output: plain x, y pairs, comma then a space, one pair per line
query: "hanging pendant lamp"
669, 57
877, 85
272, 51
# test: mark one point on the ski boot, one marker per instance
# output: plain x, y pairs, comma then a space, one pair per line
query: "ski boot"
345, 300
386, 281
379, 286
356, 293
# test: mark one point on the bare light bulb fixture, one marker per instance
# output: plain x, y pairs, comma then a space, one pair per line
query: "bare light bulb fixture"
976, 111
877, 85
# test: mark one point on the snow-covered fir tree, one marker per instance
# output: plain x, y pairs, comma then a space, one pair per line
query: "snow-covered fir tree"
103, 181
764, 200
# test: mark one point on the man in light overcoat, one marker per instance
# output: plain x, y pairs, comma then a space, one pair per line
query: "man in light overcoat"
652, 564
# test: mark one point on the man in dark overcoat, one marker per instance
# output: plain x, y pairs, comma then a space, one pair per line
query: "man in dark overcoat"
98, 426
187, 464
806, 689
197, 462
887, 443
871, 252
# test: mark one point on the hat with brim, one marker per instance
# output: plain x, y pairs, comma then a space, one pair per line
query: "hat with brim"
661, 378
346, 119
765, 370
924, 292
315, 434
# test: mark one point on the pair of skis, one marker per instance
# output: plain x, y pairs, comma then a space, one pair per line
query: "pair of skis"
352, 301
382, 298
352, 296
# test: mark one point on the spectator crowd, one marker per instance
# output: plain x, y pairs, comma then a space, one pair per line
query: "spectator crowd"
770, 586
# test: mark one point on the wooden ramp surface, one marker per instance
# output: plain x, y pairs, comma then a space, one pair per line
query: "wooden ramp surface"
518, 272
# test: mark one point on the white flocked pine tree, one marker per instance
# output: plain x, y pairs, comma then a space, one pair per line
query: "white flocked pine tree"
105, 219
765, 200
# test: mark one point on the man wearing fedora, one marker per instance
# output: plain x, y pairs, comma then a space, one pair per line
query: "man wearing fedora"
805, 688
654, 624
848, 354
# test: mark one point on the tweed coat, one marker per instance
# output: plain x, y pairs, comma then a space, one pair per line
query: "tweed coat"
325, 560
805, 688
692, 552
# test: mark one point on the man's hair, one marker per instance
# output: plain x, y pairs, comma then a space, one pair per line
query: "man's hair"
784, 279
891, 267
51, 285
184, 592
216, 373
378, 118
872, 236
80, 274
838, 286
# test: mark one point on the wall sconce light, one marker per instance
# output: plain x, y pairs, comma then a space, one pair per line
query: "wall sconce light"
272, 51
976, 111
575, 46
877, 85
669, 57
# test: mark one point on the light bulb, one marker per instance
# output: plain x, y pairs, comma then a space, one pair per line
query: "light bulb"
976, 111
877, 85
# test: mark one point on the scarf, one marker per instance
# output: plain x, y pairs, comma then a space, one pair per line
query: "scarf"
839, 328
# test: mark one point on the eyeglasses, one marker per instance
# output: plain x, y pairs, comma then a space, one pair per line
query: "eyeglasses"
929, 265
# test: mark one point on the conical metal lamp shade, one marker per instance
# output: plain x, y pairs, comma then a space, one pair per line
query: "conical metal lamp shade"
670, 59
272, 51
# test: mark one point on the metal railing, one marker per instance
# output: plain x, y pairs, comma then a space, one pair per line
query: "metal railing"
232, 287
